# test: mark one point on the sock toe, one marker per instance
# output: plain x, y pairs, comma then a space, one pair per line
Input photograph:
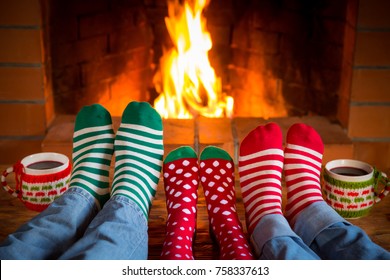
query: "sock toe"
212, 152
91, 116
305, 135
142, 113
267, 136
179, 153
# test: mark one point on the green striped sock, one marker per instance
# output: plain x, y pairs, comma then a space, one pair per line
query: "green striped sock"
93, 143
138, 155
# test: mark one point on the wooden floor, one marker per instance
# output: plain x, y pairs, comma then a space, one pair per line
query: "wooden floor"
13, 214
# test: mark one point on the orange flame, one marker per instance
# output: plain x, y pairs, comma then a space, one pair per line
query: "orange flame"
186, 81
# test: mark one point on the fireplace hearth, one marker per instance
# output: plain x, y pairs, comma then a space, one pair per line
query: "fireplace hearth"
221, 132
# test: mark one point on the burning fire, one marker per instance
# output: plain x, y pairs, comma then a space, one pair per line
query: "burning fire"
186, 82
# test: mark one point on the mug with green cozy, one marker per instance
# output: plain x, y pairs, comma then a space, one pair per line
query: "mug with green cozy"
352, 187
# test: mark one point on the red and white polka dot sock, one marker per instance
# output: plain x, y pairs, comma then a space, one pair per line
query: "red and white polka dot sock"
302, 167
181, 179
217, 178
260, 169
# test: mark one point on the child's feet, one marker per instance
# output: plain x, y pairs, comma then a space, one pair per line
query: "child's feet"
93, 146
138, 155
217, 177
181, 181
302, 166
260, 169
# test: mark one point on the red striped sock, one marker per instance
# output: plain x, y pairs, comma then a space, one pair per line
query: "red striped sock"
260, 169
181, 180
302, 167
217, 177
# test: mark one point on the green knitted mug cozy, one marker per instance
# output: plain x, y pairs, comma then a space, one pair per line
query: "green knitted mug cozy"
351, 199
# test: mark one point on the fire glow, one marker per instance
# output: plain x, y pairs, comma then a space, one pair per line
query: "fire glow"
186, 82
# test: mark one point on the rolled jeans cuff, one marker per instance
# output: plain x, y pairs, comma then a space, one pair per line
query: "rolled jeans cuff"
269, 227
314, 219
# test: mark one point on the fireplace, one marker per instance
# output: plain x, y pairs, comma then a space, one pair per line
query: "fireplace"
281, 60
275, 58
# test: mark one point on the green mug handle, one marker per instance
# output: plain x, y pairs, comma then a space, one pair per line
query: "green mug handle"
381, 178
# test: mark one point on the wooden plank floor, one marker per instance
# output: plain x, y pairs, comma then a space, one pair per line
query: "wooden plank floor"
13, 214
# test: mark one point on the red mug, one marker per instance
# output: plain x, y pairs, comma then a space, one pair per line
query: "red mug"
40, 179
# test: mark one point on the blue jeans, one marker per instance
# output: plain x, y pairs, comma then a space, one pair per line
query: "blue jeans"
73, 228
318, 233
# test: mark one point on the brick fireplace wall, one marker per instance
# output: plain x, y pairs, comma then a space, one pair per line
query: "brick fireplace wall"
290, 52
26, 96
368, 119
101, 53
26, 103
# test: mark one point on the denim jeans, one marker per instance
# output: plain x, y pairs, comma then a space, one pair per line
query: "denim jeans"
73, 228
318, 233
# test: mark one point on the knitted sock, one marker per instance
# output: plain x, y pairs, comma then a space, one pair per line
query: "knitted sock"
138, 155
181, 181
302, 167
260, 169
217, 177
93, 143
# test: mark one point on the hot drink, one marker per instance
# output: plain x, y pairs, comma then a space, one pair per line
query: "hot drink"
350, 187
45, 164
349, 171
43, 178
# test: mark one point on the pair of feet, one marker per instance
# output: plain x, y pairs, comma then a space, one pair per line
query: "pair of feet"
138, 150
182, 172
261, 163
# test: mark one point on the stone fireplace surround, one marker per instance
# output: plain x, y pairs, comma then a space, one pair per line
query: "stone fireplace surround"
28, 75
